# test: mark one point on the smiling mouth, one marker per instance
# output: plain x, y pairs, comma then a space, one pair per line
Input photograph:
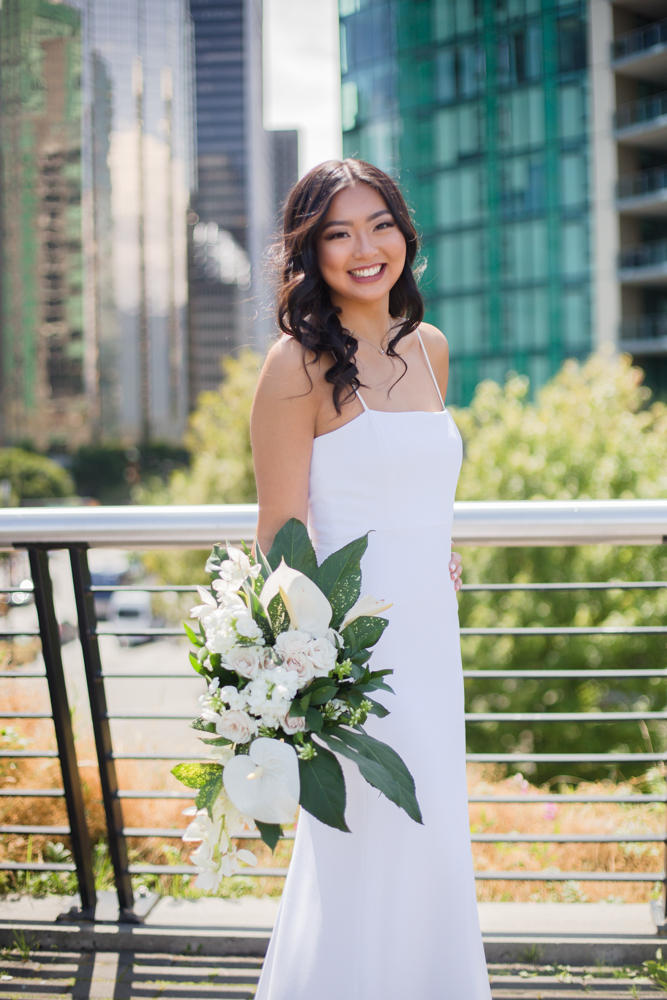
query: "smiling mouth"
361, 273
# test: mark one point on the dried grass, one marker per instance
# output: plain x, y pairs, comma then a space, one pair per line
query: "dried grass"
31, 695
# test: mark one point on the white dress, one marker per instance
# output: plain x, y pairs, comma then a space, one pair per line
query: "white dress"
388, 911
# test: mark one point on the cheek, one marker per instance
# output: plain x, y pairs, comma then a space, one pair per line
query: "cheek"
330, 259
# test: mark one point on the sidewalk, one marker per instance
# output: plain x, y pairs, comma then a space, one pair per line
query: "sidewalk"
581, 934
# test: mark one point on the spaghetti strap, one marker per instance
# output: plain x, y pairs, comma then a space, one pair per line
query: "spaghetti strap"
361, 399
430, 369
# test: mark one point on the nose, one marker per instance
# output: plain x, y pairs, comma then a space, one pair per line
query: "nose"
364, 247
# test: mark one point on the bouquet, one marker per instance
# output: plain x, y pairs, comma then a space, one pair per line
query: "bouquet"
284, 645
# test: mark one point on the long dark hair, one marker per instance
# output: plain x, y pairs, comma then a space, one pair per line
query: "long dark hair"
305, 310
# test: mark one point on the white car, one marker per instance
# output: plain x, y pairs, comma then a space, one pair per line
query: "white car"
127, 609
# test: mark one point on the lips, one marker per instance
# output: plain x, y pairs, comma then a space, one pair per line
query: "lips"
367, 274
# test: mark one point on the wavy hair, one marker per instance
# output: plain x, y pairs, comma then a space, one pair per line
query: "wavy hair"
304, 306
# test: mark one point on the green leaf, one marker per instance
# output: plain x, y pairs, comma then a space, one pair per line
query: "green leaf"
195, 639
377, 709
220, 741
314, 720
262, 560
202, 727
195, 664
366, 630
296, 711
323, 694
196, 775
294, 546
339, 577
209, 793
323, 789
379, 764
280, 620
270, 833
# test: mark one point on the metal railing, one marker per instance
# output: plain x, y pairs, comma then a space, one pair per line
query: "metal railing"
643, 111
647, 327
642, 183
650, 254
640, 40
489, 524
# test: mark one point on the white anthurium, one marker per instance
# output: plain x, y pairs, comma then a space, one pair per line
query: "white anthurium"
308, 609
265, 783
366, 605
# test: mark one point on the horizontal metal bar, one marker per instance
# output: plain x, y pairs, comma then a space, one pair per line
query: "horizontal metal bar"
141, 632
131, 675
566, 838
182, 716
14, 634
565, 799
17, 590
126, 793
611, 585
28, 753
160, 756
30, 793
25, 715
149, 831
571, 630
562, 716
558, 758
173, 588
59, 831
24, 866
518, 876
20, 673
191, 870
591, 674
525, 523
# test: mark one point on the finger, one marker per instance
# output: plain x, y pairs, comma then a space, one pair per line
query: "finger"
457, 558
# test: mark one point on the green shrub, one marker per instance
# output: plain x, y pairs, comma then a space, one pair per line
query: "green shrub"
33, 477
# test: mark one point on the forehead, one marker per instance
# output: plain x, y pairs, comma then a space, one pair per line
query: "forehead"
355, 203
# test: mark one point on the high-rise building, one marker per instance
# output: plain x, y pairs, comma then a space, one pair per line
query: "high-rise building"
95, 118
285, 165
233, 213
497, 115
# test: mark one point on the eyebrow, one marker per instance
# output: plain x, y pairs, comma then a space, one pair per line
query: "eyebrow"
343, 222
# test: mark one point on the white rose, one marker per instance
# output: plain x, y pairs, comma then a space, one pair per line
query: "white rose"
233, 697
256, 693
293, 649
286, 681
236, 726
246, 660
322, 655
293, 724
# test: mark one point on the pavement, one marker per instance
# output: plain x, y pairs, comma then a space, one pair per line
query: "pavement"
577, 934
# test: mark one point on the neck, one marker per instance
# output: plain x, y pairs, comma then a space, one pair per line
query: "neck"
369, 320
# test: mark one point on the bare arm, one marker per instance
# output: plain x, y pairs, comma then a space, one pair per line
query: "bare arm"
438, 353
282, 428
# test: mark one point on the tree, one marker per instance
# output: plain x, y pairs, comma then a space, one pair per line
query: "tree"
589, 434
221, 469
32, 477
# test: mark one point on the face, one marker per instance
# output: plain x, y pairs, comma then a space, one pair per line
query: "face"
361, 251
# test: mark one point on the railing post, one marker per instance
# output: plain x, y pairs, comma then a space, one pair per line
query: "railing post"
85, 605
62, 722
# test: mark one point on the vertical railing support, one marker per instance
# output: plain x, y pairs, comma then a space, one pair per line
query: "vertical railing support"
62, 722
85, 605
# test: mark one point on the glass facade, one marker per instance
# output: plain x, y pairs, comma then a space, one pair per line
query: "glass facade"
96, 113
483, 116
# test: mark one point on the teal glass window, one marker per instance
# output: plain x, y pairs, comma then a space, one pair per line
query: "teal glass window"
575, 319
571, 44
523, 185
460, 261
458, 133
573, 180
461, 320
525, 250
460, 196
526, 319
574, 249
572, 111
521, 119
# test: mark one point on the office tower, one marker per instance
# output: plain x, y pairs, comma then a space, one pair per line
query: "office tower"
498, 117
285, 166
232, 208
96, 111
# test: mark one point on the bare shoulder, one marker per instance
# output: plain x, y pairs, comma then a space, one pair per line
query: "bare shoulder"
289, 370
435, 343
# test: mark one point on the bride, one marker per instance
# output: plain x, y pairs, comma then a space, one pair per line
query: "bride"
350, 433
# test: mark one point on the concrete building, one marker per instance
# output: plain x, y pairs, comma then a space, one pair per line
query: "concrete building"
499, 119
95, 113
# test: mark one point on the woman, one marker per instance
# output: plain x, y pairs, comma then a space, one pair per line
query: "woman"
350, 433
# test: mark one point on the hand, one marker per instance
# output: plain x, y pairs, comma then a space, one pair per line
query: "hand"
456, 569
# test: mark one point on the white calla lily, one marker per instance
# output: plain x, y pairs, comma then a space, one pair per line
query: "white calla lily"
265, 783
366, 605
208, 604
308, 608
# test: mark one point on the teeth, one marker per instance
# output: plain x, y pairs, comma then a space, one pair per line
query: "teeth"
367, 272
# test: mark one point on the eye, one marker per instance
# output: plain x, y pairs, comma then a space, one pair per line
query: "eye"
335, 236
388, 224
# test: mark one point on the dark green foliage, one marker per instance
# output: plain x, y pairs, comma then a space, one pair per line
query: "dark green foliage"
323, 789
33, 477
270, 833
294, 546
339, 577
